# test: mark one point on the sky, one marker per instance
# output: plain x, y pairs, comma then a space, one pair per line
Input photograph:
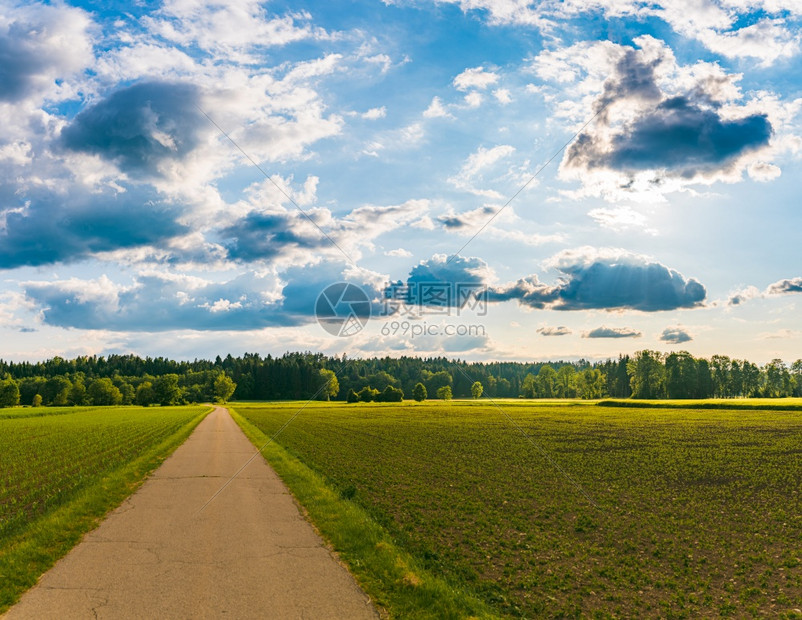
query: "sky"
480, 179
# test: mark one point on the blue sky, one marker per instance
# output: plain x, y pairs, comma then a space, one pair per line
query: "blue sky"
185, 178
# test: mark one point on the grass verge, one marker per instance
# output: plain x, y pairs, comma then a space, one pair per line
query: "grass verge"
389, 575
750, 404
25, 556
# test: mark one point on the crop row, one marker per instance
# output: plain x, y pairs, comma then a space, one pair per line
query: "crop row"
44, 461
575, 511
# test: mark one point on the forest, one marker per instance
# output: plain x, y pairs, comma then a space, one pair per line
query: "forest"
130, 379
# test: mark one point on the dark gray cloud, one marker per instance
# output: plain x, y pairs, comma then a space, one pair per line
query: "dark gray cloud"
613, 332
606, 282
634, 283
260, 236
554, 331
527, 291
685, 138
442, 282
44, 228
793, 285
678, 135
675, 335
140, 126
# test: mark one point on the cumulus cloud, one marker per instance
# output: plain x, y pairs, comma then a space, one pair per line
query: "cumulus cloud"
39, 45
781, 287
160, 301
793, 285
612, 332
645, 132
436, 109
476, 77
658, 126
607, 279
141, 126
723, 26
589, 279
56, 226
554, 331
675, 335
743, 295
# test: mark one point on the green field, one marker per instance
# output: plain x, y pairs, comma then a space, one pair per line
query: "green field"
62, 469
597, 512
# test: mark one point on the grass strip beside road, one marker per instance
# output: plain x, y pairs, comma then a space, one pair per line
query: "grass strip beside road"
32, 549
392, 577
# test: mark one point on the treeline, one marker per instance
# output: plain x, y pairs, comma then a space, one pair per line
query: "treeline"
128, 379
78, 389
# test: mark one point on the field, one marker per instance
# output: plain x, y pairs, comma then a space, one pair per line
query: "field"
596, 512
61, 469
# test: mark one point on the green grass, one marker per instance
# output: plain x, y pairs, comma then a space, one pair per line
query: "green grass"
757, 404
59, 474
698, 512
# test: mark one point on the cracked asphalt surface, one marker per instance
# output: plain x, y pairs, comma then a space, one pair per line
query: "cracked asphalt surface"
248, 554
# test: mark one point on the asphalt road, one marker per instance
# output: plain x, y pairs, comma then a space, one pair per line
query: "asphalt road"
248, 554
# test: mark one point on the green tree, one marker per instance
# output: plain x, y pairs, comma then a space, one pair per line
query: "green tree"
778, 379
37, 400
166, 390
104, 392
329, 386
444, 393
391, 395
682, 380
145, 396
546, 382
565, 382
476, 389
367, 394
591, 384
647, 374
796, 376
435, 380
57, 391
419, 392
77, 396
352, 397
224, 387
9, 393
529, 386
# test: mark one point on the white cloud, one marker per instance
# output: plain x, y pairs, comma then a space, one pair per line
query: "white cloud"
436, 110
503, 96
375, 113
398, 252
474, 99
476, 78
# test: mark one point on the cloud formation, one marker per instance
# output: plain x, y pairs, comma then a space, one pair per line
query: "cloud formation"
554, 331
40, 45
606, 279
612, 332
675, 335
642, 127
140, 127
51, 227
